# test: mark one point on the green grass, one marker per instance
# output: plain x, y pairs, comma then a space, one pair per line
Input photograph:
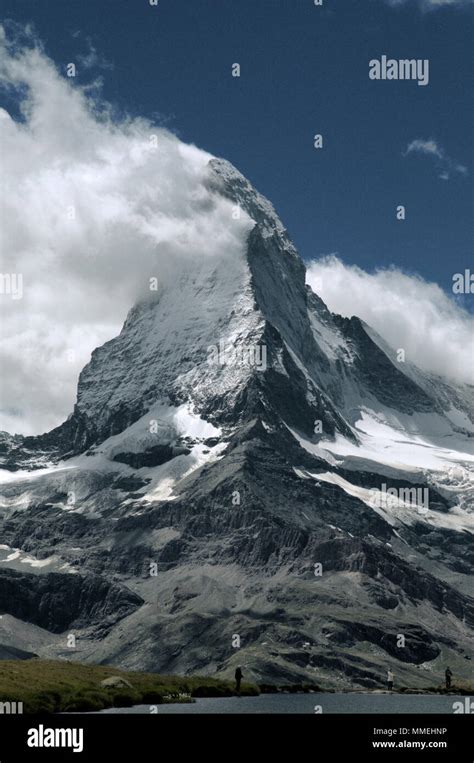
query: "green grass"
54, 686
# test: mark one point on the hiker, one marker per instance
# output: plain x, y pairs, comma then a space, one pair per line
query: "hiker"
448, 675
238, 679
390, 678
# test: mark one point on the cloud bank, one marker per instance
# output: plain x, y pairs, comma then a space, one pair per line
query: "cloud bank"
93, 205
406, 311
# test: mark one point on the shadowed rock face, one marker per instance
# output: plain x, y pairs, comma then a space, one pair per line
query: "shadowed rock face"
11, 653
57, 602
257, 538
155, 456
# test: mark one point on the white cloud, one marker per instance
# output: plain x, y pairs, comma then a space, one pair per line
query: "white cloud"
431, 5
405, 310
136, 208
445, 165
425, 147
91, 58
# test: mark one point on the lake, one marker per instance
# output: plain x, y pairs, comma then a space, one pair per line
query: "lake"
305, 703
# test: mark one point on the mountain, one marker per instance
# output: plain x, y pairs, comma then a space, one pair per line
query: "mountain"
246, 479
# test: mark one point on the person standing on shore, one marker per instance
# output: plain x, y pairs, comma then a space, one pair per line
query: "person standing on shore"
390, 677
448, 675
238, 679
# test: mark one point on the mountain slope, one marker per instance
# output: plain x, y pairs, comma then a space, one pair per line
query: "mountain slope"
226, 464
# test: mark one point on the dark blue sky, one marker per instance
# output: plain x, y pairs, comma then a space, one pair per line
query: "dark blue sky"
304, 70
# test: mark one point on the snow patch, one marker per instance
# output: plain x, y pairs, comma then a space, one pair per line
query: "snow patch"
397, 511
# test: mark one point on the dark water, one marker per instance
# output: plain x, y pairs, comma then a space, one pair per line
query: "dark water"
306, 703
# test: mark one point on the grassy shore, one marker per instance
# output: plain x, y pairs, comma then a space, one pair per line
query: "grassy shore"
53, 686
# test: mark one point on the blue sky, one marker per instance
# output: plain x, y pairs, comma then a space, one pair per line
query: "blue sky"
304, 70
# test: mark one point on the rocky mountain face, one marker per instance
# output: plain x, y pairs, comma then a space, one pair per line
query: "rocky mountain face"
246, 479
